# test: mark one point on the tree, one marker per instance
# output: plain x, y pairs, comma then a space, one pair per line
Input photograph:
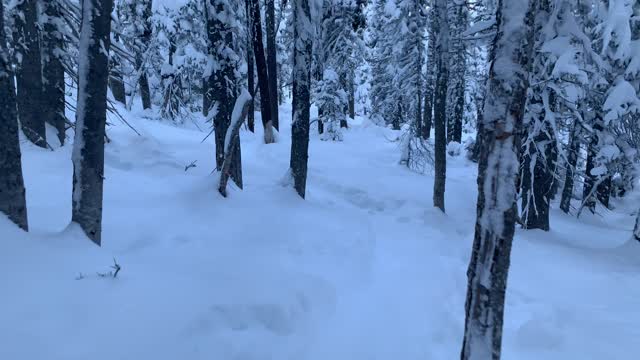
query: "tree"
222, 21
332, 99
263, 76
136, 23
272, 62
497, 173
29, 73
439, 15
457, 20
12, 192
303, 34
52, 67
91, 116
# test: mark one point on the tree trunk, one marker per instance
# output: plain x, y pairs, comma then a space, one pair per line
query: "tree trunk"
232, 139
588, 198
91, 116
251, 119
497, 173
302, 38
31, 110
537, 181
572, 161
12, 193
221, 83
272, 63
53, 70
263, 77
456, 17
206, 97
145, 91
440, 103
116, 81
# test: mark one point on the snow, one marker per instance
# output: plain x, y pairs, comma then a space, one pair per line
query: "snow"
365, 268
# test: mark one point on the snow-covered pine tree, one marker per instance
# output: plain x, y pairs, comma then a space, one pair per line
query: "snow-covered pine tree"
497, 173
12, 193
91, 116
223, 25
52, 66
29, 72
303, 35
457, 20
441, 36
135, 20
332, 99
382, 61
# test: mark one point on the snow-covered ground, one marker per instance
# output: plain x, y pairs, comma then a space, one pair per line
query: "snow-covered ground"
364, 269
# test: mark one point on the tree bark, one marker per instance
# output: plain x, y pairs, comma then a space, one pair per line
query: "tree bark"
12, 192
53, 70
302, 38
272, 63
572, 161
440, 103
263, 77
91, 116
145, 91
221, 83
497, 174
29, 74
232, 139
251, 120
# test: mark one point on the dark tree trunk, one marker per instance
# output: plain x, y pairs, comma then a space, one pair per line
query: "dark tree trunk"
251, 119
221, 86
352, 97
588, 195
263, 77
12, 193
143, 42
206, 97
301, 95
31, 110
427, 116
497, 173
320, 123
53, 70
272, 62
440, 105
572, 161
537, 183
116, 81
91, 116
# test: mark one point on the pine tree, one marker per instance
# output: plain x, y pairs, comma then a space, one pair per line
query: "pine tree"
272, 63
12, 192
333, 100
497, 173
136, 28
91, 116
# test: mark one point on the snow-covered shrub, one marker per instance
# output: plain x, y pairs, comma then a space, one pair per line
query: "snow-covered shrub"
332, 100
454, 149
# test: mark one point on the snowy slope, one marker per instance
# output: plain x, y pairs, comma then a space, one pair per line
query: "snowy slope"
364, 269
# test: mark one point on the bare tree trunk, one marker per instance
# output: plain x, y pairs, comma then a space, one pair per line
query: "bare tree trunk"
12, 193
31, 109
272, 62
91, 116
263, 77
497, 173
145, 90
232, 139
302, 38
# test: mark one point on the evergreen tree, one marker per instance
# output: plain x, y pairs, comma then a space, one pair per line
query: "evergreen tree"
457, 20
439, 15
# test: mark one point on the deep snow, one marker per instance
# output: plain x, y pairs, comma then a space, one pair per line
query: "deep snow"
364, 269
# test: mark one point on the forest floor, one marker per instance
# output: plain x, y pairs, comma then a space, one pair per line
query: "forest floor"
364, 269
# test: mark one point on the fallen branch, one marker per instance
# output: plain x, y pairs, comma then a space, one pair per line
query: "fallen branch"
238, 116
